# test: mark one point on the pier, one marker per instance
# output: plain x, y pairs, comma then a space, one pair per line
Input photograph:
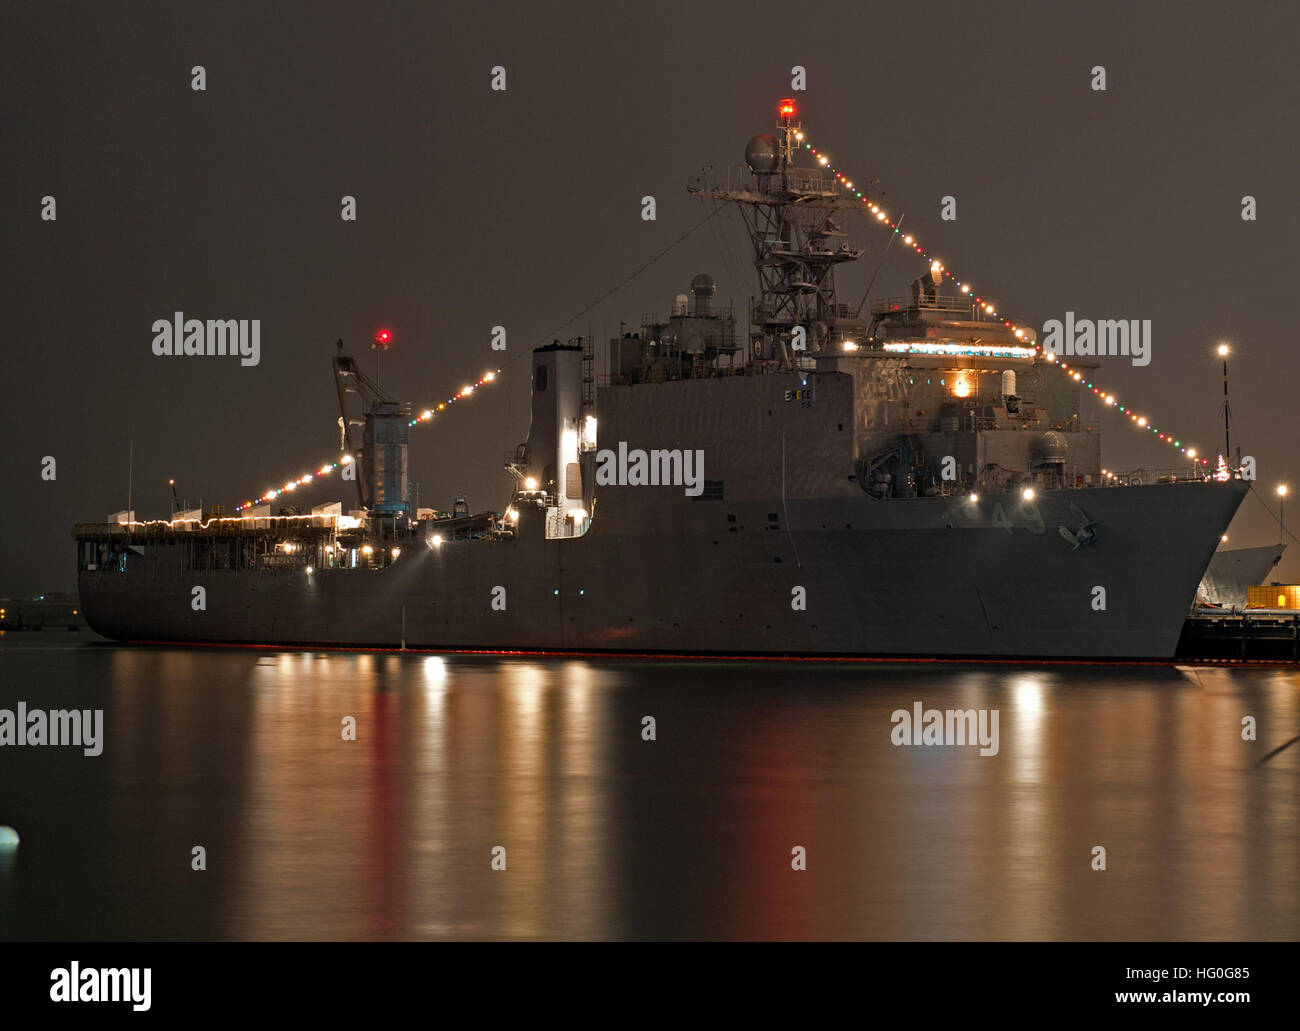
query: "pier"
1259, 635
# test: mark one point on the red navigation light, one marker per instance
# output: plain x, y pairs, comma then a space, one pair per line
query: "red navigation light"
382, 339
787, 108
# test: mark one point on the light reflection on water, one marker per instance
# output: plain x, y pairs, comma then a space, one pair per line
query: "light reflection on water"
607, 835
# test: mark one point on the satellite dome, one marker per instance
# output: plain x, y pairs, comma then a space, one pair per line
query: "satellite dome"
703, 285
761, 154
1051, 447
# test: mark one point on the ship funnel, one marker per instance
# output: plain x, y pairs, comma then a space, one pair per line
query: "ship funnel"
552, 447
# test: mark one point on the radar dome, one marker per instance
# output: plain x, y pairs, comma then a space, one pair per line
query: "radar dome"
1051, 447
762, 155
703, 285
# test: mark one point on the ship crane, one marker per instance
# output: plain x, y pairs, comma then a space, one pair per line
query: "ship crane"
379, 458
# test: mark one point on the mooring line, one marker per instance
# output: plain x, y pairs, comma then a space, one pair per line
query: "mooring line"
1278, 749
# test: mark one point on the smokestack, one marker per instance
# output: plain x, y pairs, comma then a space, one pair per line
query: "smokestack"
552, 446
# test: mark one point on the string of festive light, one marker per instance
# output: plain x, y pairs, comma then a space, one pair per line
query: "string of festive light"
464, 392
1139, 421
426, 416
909, 240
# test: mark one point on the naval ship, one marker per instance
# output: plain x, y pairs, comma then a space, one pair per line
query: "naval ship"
913, 480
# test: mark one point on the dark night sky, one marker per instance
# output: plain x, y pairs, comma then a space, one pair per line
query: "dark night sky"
477, 208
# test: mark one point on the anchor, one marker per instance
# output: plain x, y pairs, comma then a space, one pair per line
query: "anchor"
1084, 535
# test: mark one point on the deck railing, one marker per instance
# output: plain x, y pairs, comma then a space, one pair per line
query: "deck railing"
1146, 477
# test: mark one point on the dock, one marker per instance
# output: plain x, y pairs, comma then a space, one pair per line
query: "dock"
1251, 635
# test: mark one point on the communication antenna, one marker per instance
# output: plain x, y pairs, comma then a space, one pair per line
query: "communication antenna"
872, 282
383, 339
789, 212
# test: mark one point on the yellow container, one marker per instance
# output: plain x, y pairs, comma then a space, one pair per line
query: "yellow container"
1273, 596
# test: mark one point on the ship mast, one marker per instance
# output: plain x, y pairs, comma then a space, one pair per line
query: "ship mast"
788, 212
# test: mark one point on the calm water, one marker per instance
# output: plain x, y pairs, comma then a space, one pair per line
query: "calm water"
610, 836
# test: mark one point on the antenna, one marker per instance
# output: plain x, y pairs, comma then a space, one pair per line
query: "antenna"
383, 340
884, 254
1227, 444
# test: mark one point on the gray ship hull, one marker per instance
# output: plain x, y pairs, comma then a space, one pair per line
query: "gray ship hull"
1233, 572
901, 577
